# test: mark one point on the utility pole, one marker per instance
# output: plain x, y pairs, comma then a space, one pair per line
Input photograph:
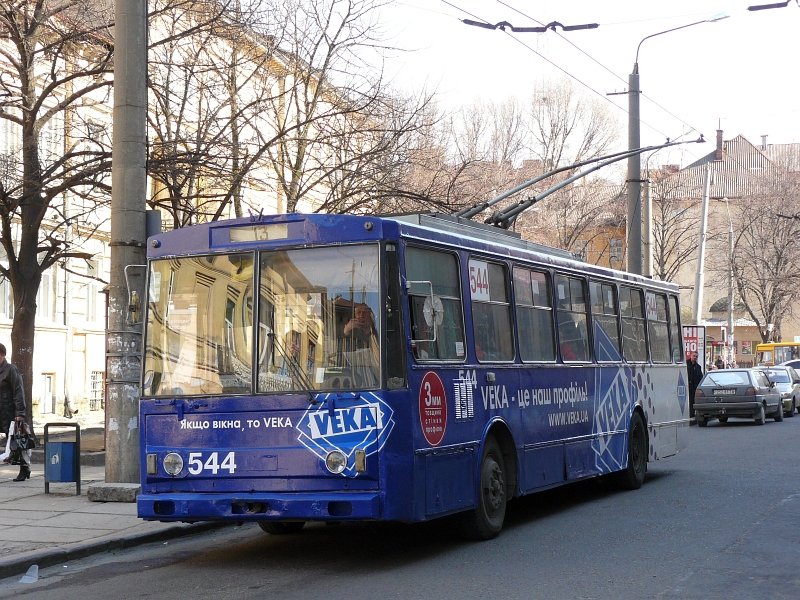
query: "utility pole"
634, 177
647, 246
701, 258
731, 358
128, 192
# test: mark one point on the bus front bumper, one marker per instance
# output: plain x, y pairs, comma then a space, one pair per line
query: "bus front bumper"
191, 508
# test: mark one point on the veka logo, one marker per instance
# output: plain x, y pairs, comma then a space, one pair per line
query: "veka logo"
683, 394
363, 424
615, 392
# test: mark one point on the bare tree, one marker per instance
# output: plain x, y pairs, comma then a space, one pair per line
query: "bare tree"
334, 115
54, 65
566, 128
577, 218
674, 226
273, 97
766, 257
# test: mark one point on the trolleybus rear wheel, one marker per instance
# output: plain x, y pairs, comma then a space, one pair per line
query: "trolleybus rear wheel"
281, 527
632, 477
486, 520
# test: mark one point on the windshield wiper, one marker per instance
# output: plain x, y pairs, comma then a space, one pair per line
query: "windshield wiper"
295, 370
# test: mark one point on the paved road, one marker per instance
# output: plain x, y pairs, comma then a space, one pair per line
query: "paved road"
717, 521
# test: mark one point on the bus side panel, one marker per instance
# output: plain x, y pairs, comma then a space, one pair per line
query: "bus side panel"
542, 467
667, 414
449, 481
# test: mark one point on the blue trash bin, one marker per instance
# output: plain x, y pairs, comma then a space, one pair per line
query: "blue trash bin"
62, 460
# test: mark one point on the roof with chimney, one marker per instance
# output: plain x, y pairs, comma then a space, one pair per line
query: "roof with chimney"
738, 168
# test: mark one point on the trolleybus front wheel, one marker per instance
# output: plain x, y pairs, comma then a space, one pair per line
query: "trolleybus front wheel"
281, 527
486, 520
632, 477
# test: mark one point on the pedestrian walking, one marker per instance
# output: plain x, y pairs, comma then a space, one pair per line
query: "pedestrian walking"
12, 409
695, 372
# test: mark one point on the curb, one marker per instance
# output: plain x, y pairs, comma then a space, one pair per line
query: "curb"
48, 557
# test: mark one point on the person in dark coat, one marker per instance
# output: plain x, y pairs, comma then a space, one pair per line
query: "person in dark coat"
12, 405
695, 372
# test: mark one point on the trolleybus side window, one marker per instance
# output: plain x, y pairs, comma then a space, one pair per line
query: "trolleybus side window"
675, 331
605, 319
634, 346
658, 334
573, 334
434, 296
534, 307
491, 311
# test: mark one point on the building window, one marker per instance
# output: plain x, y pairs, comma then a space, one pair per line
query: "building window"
97, 391
47, 405
6, 300
92, 290
615, 249
46, 297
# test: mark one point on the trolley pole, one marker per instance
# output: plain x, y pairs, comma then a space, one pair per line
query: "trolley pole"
129, 187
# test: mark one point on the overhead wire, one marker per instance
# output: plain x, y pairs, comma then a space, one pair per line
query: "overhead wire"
537, 53
575, 77
593, 59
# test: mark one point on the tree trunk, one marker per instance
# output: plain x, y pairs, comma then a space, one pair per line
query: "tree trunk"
23, 329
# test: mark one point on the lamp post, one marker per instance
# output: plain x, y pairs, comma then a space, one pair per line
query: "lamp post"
634, 233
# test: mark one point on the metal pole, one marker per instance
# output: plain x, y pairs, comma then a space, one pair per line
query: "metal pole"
731, 349
648, 229
634, 178
634, 239
700, 280
128, 180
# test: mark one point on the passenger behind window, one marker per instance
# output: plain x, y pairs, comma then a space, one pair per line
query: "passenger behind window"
363, 352
361, 329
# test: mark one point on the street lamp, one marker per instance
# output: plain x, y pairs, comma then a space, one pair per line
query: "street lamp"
634, 239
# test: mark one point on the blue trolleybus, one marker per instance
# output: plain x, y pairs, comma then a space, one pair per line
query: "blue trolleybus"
340, 368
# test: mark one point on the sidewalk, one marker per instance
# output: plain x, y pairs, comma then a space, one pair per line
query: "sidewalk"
48, 529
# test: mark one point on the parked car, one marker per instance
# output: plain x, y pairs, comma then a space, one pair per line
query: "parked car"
744, 393
787, 380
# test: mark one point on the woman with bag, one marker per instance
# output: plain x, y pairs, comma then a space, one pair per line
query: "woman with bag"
12, 410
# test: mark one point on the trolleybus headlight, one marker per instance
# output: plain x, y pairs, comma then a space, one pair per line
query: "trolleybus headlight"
336, 462
173, 463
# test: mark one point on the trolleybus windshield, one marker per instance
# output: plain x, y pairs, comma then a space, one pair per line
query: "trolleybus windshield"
316, 319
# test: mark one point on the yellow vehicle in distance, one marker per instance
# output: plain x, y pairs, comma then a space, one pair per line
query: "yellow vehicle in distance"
775, 353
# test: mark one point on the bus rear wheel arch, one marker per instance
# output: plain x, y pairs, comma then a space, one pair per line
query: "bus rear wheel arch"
496, 486
632, 477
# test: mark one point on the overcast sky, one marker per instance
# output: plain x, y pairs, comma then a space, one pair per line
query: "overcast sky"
739, 73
